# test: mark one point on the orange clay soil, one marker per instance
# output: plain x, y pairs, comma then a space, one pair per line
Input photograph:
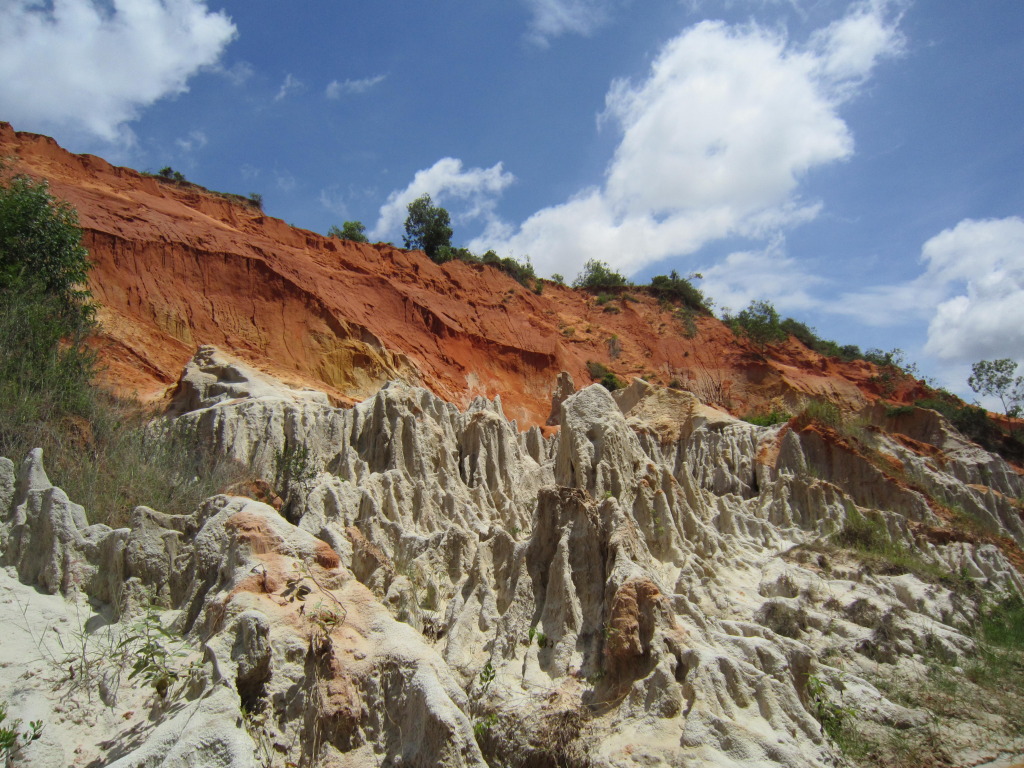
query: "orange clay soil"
176, 266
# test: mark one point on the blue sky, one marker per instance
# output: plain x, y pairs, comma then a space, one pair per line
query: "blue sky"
859, 164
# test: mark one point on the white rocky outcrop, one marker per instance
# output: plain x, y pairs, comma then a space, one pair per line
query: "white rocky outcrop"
642, 588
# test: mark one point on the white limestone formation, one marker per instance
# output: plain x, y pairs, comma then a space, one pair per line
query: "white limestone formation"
647, 587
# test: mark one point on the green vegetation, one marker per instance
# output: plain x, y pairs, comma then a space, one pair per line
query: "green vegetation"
867, 536
603, 374
169, 174
350, 230
97, 447
521, 272
427, 227
13, 738
767, 418
821, 412
995, 378
149, 648
674, 288
835, 719
598, 276
759, 323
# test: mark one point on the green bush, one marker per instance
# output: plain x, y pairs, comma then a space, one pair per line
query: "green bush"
598, 276
759, 323
97, 447
45, 316
768, 418
821, 412
672, 287
521, 272
350, 230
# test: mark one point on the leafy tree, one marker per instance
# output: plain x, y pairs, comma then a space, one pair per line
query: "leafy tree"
350, 230
45, 316
40, 246
597, 275
428, 227
995, 378
759, 322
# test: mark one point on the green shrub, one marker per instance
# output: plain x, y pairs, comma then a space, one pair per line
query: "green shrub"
759, 323
672, 287
767, 419
169, 174
598, 276
97, 447
13, 738
611, 382
350, 230
597, 370
521, 272
821, 412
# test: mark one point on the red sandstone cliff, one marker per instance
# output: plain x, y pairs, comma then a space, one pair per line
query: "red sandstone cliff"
176, 266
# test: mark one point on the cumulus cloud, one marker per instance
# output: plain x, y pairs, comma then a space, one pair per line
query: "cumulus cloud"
474, 189
715, 142
970, 292
336, 89
553, 18
847, 50
95, 65
744, 276
979, 266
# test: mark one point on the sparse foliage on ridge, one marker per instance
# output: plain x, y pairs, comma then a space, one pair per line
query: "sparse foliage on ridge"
350, 230
672, 287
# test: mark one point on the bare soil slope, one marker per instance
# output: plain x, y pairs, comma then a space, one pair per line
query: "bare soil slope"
176, 267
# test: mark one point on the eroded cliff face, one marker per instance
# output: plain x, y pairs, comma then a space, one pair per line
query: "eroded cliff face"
176, 267
657, 584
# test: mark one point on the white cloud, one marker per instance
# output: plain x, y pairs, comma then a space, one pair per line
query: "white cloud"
336, 89
94, 65
553, 18
847, 50
290, 85
443, 181
285, 181
745, 276
238, 73
714, 143
979, 266
195, 140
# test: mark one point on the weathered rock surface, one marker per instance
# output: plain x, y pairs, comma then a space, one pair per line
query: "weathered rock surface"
646, 587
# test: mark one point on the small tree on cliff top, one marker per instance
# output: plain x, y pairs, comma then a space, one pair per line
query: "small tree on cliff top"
995, 378
427, 227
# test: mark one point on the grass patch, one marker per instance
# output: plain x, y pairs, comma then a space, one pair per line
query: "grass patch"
820, 412
767, 418
867, 536
110, 462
